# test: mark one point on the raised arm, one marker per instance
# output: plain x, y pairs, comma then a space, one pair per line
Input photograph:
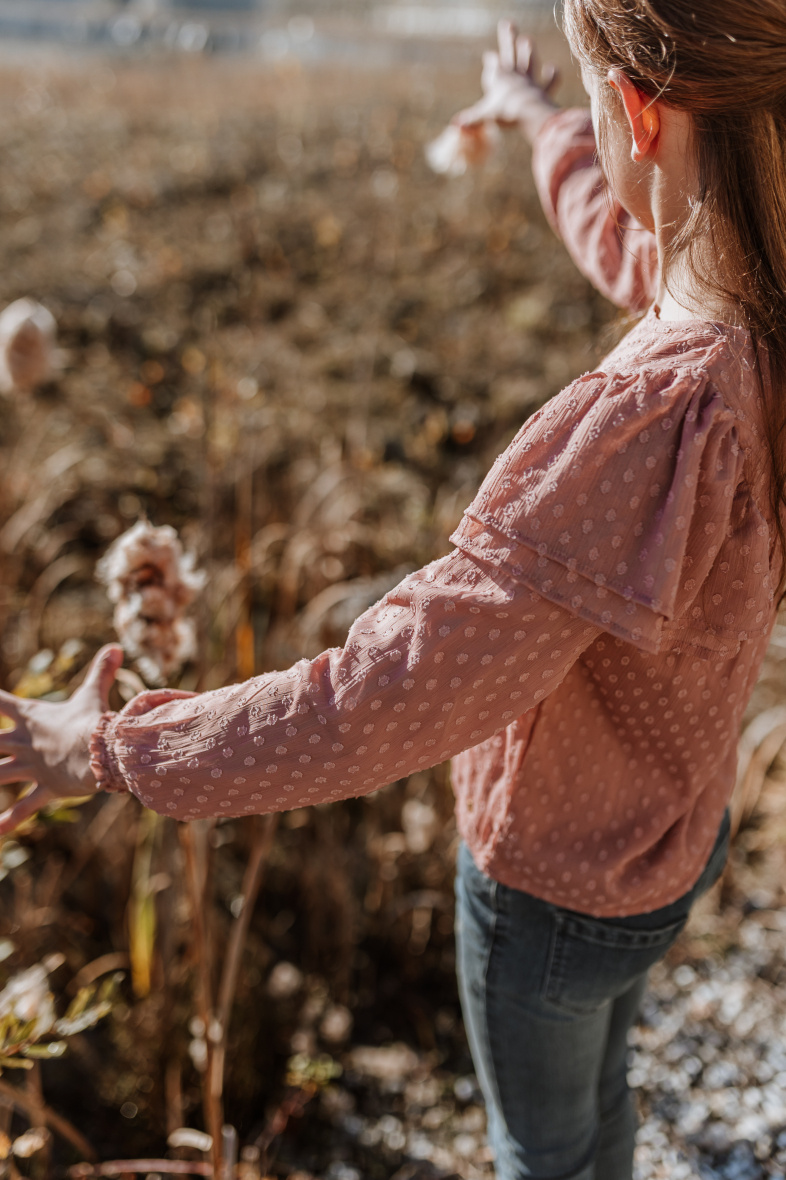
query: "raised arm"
613, 251
610, 248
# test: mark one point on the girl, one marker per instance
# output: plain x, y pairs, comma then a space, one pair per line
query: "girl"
586, 651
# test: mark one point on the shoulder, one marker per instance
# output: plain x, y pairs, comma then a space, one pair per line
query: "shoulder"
615, 420
593, 501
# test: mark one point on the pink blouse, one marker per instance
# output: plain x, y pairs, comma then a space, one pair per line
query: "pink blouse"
586, 652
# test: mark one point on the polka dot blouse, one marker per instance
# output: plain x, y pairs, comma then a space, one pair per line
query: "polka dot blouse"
584, 654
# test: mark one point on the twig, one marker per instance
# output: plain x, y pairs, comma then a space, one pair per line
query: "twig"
252, 882
94, 836
59, 1125
128, 1167
115, 961
228, 1152
204, 991
292, 1106
759, 746
173, 1088
244, 528
35, 1093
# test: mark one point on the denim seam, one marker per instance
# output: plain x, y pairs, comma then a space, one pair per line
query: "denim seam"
622, 938
556, 975
553, 963
493, 1053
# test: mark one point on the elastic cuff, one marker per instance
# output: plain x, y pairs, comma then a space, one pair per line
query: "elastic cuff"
102, 762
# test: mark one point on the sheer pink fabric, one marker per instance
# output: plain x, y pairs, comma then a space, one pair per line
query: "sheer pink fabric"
609, 247
585, 653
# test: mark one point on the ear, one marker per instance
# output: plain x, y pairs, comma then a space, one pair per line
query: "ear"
642, 113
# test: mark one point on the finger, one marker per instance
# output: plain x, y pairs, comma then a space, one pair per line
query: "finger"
551, 78
506, 36
490, 64
101, 673
14, 771
473, 116
11, 740
146, 701
9, 705
525, 49
23, 809
533, 63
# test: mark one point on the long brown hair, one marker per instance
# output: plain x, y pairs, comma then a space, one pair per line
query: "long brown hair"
723, 62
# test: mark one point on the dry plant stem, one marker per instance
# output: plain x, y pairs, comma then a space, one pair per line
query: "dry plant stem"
244, 527
264, 834
50, 889
56, 1122
209, 497
115, 961
94, 836
34, 1087
6, 1114
173, 1088
129, 1167
191, 836
228, 1153
760, 745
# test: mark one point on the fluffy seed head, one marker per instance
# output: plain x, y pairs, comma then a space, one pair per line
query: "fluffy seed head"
152, 582
28, 337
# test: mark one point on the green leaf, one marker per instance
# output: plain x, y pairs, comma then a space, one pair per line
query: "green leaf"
304, 1071
80, 1001
60, 815
107, 993
53, 1049
86, 1019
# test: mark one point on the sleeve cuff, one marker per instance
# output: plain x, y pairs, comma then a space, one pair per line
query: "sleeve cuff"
103, 762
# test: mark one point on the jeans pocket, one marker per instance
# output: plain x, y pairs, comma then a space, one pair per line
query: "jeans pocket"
592, 961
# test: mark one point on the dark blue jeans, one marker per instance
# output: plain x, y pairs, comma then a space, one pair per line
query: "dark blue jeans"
548, 997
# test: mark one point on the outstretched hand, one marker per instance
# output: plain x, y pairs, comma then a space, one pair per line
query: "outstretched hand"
49, 745
516, 92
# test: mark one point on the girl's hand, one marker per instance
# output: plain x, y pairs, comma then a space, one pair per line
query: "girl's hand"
49, 745
515, 90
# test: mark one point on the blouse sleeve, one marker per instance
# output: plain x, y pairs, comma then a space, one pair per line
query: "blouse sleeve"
623, 501
440, 664
610, 248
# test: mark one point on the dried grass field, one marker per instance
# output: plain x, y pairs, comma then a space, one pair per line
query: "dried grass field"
284, 336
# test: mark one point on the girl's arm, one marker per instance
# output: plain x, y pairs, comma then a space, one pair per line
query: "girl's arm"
610, 248
516, 93
444, 661
613, 251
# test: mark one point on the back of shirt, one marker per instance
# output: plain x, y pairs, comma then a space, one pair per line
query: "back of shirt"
636, 499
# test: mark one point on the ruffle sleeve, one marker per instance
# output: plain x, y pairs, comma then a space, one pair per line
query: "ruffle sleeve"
624, 501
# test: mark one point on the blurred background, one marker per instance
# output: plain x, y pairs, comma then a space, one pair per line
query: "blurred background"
281, 334
314, 30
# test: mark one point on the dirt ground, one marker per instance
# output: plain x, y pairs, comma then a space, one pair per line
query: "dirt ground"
283, 335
